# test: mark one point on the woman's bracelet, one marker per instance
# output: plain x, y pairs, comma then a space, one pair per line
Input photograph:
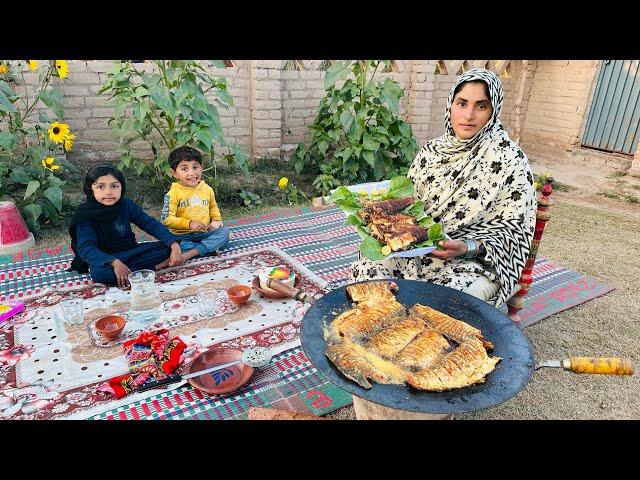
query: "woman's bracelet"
473, 248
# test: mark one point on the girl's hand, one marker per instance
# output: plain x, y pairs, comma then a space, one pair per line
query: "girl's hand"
198, 226
122, 272
176, 255
214, 225
452, 248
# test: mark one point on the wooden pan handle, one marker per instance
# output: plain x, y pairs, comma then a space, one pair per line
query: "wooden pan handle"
606, 366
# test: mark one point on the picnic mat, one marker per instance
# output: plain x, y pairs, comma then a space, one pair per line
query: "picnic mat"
51, 370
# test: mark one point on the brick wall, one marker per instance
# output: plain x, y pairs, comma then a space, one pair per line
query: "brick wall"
558, 106
273, 108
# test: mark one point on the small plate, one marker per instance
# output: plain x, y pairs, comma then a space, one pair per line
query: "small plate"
271, 294
226, 380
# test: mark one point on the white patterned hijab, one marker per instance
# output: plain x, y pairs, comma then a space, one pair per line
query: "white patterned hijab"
480, 188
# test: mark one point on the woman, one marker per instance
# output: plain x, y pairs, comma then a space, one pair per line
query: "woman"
477, 183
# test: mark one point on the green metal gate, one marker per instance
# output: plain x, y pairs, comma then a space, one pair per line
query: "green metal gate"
614, 115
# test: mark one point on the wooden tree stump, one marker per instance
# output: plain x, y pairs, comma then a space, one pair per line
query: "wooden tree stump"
366, 410
516, 302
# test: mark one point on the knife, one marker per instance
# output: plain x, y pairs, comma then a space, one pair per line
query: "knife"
606, 366
176, 378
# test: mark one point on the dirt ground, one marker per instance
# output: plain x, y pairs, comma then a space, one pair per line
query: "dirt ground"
594, 229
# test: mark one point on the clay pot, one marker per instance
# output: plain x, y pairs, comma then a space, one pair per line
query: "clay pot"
239, 294
110, 327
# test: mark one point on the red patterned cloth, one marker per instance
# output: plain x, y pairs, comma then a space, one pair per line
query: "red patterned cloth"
151, 356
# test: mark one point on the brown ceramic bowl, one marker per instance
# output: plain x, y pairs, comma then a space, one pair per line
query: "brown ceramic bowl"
239, 294
111, 326
226, 380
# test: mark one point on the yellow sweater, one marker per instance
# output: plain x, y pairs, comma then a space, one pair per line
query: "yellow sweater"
183, 204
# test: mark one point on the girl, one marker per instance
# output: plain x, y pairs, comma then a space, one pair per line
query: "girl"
101, 235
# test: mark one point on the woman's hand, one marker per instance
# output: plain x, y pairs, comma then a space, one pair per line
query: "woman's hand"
452, 248
214, 225
122, 272
176, 255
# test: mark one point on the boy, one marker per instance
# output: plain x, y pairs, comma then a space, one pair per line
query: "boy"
190, 209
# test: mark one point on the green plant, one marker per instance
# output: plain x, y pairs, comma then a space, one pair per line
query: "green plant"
250, 199
33, 151
169, 108
357, 134
291, 193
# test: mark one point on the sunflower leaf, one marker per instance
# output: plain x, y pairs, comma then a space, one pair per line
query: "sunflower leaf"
54, 194
162, 98
52, 98
32, 187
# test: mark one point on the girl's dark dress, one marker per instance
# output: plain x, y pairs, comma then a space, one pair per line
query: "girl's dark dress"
92, 248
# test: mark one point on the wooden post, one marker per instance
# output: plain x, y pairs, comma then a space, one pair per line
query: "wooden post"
516, 302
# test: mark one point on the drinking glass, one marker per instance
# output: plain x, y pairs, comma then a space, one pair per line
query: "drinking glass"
207, 300
72, 311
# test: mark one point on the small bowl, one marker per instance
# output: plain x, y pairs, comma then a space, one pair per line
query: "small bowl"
111, 326
239, 294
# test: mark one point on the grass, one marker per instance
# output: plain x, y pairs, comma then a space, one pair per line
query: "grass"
618, 173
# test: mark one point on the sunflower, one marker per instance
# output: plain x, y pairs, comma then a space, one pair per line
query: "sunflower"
50, 164
33, 65
68, 142
61, 66
283, 182
3, 69
58, 132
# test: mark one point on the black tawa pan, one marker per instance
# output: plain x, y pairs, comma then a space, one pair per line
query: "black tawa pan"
510, 376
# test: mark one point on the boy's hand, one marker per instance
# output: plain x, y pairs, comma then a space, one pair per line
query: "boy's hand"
214, 225
176, 255
196, 225
121, 271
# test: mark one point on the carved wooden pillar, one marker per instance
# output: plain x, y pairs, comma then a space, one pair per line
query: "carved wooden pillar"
516, 302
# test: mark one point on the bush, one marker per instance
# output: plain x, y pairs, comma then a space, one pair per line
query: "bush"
33, 152
357, 135
169, 109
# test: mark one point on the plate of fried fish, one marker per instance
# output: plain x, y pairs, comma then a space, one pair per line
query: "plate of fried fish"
416, 346
391, 223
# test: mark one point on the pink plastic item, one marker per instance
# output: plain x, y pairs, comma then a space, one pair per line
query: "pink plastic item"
14, 235
8, 311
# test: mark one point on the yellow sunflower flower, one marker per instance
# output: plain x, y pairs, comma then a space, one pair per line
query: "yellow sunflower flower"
33, 65
3, 69
61, 66
58, 132
283, 182
50, 164
68, 142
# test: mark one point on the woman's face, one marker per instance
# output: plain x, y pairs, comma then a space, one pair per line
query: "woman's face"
107, 190
471, 110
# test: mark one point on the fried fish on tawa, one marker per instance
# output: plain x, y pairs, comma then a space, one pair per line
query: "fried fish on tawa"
372, 291
447, 325
367, 319
358, 365
423, 350
466, 365
388, 342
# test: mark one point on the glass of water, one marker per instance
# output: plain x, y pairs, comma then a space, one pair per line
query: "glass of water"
72, 313
207, 300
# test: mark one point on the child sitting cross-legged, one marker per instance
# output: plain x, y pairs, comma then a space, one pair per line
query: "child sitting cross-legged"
190, 209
